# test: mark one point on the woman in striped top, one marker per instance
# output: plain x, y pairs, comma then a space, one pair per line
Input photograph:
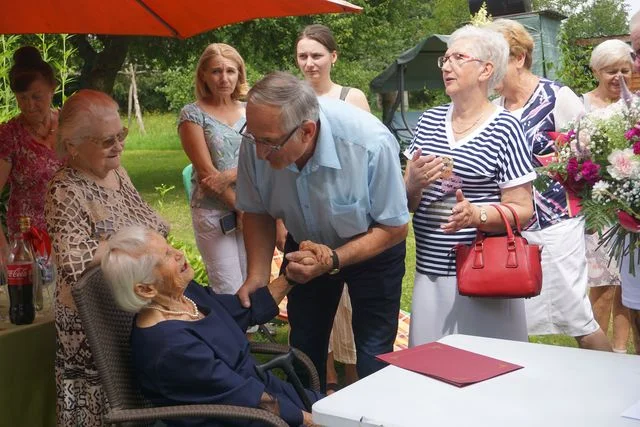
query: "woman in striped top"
465, 156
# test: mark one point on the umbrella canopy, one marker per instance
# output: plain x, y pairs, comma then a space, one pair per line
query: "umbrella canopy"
419, 65
169, 18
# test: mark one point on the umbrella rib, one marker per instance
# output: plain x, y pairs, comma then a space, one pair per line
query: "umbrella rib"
159, 18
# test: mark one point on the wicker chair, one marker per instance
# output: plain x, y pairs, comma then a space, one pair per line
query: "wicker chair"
108, 331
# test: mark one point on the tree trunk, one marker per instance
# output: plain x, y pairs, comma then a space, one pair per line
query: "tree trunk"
100, 68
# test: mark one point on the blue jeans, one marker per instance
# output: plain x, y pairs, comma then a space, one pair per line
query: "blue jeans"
375, 287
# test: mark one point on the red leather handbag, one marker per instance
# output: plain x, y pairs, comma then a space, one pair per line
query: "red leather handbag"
499, 266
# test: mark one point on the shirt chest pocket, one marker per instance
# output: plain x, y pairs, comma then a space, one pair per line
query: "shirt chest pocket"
349, 220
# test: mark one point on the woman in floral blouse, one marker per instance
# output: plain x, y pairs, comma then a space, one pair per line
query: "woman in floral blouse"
210, 134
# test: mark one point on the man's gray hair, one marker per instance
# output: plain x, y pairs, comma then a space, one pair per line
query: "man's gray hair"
610, 52
488, 45
126, 264
295, 98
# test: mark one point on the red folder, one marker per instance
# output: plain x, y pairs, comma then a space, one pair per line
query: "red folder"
449, 364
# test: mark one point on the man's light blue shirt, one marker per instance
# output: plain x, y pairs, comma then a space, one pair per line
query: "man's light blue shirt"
352, 180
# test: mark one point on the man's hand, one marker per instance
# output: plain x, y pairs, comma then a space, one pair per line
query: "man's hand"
247, 288
311, 261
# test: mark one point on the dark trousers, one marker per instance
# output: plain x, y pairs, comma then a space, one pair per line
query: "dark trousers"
375, 287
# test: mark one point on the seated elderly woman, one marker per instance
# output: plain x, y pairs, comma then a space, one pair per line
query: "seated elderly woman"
188, 343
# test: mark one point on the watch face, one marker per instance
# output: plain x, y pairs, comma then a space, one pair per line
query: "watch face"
483, 215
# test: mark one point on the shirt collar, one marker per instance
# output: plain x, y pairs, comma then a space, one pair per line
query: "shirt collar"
326, 154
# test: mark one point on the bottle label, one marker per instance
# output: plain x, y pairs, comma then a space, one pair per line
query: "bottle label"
19, 274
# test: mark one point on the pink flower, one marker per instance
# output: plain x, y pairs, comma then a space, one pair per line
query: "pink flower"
573, 167
590, 171
623, 165
636, 148
633, 132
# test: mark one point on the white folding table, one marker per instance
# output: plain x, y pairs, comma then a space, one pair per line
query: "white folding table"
558, 386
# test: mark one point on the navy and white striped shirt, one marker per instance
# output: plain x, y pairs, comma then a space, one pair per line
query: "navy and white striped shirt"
493, 157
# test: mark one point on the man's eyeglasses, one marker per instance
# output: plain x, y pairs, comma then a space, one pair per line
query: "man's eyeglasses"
457, 58
111, 141
270, 145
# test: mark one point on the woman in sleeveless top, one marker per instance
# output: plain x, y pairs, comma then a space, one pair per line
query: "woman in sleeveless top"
610, 62
316, 55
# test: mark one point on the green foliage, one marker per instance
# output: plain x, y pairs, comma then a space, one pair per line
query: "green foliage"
597, 18
177, 87
54, 49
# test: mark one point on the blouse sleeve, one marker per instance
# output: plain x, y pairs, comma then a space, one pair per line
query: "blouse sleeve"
70, 229
568, 106
191, 113
514, 165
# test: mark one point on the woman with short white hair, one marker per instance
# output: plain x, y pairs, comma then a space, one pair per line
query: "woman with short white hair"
465, 156
88, 200
188, 344
611, 62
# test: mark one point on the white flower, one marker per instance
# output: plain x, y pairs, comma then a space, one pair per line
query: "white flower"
623, 164
600, 191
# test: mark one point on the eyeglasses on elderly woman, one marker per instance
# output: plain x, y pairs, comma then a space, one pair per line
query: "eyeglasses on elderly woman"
457, 58
110, 141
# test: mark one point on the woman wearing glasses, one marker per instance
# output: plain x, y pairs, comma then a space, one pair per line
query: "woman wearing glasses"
87, 202
209, 131
544, 106
465, 156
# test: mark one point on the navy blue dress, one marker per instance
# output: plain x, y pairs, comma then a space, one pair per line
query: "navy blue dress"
208, 361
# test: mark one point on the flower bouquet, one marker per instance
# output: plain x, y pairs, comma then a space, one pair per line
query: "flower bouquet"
598, 160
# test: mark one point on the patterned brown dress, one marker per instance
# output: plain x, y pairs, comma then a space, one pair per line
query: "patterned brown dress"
80, 214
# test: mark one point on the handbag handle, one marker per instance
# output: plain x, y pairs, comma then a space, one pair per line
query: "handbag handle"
505, 221
515, 217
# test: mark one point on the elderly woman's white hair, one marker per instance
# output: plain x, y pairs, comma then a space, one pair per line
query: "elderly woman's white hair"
79, 116
610, 52
126, 264
488, 45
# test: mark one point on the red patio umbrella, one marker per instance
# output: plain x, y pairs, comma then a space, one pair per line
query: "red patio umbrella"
169, 18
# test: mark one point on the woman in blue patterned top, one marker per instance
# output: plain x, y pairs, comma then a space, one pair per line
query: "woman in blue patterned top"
465, 156
209, 131
544, 106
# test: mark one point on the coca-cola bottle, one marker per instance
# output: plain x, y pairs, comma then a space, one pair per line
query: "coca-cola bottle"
21, 268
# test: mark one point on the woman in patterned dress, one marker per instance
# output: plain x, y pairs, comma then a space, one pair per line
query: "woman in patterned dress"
27, 156
544, 106
465, 156
88, 201
209, 131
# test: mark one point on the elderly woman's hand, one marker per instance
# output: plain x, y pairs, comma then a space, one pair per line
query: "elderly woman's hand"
422, 171
463, 215
311, 261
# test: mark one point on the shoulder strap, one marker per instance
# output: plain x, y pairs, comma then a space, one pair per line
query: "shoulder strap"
343, 93
515, 216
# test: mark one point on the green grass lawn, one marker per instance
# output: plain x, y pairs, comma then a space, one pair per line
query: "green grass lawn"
157, 159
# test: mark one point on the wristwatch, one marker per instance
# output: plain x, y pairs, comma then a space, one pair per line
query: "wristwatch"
335, 268
483, 215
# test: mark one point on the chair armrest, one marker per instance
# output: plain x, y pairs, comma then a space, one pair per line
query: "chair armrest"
228, 412
274, 348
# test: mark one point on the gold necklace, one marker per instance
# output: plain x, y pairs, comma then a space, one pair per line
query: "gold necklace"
194, 315
467, 129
